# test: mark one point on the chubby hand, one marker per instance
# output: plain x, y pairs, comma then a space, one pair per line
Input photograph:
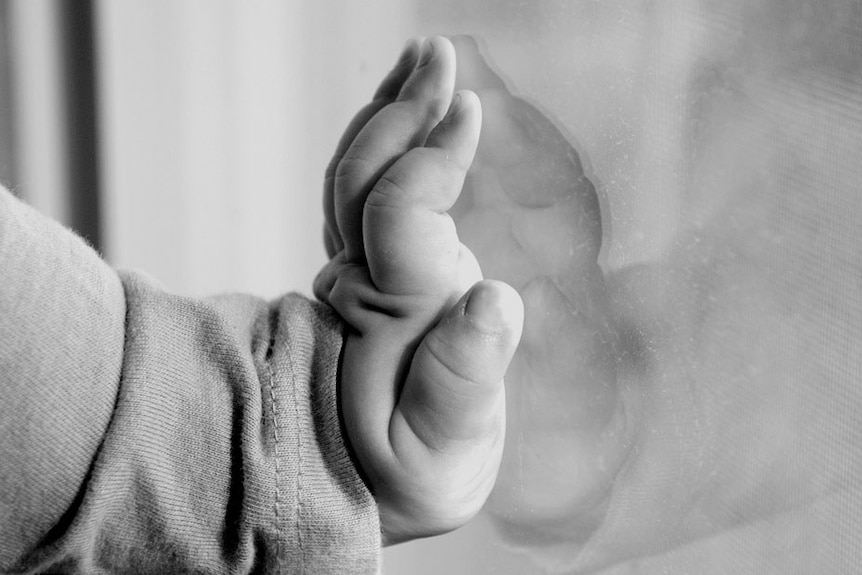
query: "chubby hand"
428, 342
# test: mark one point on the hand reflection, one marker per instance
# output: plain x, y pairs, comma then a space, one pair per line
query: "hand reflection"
692, 395
532, 219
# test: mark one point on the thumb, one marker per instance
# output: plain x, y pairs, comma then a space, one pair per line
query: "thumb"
454, 390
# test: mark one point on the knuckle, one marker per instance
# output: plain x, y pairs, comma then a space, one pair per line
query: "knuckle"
352, 168
387, 192
452, 359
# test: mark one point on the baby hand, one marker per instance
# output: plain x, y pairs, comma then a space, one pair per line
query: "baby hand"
421, 376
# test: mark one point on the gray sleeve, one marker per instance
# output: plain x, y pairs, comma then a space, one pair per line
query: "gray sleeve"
143, 432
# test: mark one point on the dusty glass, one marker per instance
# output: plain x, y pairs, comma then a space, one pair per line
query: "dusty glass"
675, 188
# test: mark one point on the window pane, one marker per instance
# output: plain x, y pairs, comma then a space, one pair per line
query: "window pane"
691, 404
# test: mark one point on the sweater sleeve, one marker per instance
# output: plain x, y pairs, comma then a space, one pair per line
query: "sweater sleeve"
144, 432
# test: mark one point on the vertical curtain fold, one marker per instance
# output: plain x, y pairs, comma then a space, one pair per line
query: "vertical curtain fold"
78, 52
48, 104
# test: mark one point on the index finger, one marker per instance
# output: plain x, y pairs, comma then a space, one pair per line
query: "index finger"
385, 94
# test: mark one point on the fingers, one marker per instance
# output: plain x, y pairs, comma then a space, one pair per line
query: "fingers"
434, 85
393, 130
385, 94
327, 276
454, 390
393, 83
410, 242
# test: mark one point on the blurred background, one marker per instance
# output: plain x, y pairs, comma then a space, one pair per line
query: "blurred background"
188, 138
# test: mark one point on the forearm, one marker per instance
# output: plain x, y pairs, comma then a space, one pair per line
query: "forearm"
212, 442
61, 347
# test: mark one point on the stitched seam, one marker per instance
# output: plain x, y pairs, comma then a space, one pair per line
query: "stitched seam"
275, 424
299, 462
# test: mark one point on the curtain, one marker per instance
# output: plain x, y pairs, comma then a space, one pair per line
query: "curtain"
49, 110
217, 121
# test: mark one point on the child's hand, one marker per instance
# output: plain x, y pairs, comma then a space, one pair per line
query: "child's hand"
421, 376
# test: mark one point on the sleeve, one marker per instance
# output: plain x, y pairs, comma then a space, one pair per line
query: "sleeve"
143, 432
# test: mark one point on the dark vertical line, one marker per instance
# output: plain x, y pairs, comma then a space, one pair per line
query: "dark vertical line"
8, 175
78, 45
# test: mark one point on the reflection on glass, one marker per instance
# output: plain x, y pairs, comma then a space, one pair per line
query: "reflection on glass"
675, 188
686, 398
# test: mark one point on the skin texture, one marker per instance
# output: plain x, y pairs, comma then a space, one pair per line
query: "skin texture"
421, 380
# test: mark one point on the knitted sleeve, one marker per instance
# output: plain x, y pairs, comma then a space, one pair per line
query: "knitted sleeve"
143, 432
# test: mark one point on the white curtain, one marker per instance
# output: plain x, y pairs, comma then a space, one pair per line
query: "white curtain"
217, 121
37, 134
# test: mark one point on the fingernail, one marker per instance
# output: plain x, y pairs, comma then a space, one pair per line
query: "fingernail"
427, 52
455, 106
408, 53
486, 309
